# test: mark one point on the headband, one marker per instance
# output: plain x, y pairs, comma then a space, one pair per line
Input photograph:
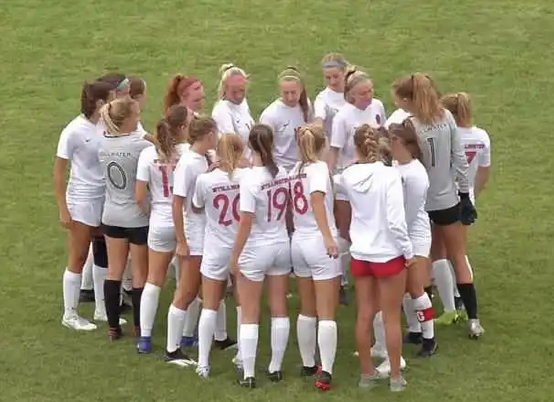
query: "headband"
123, 84
334, 64
290, 77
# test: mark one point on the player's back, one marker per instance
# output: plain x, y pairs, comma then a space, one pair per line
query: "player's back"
476, 143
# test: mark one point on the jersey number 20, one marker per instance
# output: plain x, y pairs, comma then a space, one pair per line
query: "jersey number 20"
222, 200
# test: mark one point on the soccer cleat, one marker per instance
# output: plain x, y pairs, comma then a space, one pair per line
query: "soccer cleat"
237, 361
248, 382
276, 376
310, 371
343, 296
115, 333
370, 381
203, 371
178, 358
398, 384
447, 318
102, 317
428, 348
323, 381
462, 316
189, 342
144, 345
475, 329
415, 338
86, 296
78, 323
227, 343
383, 370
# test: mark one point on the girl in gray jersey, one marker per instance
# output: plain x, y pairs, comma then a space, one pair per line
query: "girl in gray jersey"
444, 159
125, 224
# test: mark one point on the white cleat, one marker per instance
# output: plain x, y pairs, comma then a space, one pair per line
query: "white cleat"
78, 323
376, 353
102, 317
237, 362
475, 329
384, 368
203, 371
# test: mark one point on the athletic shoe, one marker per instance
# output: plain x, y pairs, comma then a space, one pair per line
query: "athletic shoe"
86, 296
398, 384
462, 316
78, 323
343, 296
428, 348
227, 343
447, 318
203, 371
415, 338
323, 381
102, 317
370, 381
475, 329
310, 371
179, 358
377, 353
276, 376
249, 382
115, 333
237, 362
144, 345
383, 369
189, 342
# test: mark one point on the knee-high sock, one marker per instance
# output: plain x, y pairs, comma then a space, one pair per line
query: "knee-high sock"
71, 283
221, 326
148, 308
327, 341
344, 253
379, 332
99, 275
306, 335
425, 315
175, 323
112, 291
410, 313
445, 286
280, 328
248, 348
87, 275
206, 329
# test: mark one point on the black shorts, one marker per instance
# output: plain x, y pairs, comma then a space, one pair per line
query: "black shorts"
445, 217
138, 236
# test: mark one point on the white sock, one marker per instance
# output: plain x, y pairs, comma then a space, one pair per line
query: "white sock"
99, 276
87, 282
454, 281
148, 307
327, 341
470, 269
379, 332
344, 253
71, 286
206, 328
239, 319
127, 281
175, 323
306, 335
410, 313
248, 348
424, 309
193, 311
443, 281
221, 327
280, 328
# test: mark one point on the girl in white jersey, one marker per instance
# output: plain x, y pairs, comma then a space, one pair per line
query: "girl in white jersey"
314, 251
186, 91
381, 250
443, 157
125, 225
262, 251
155, 174
217, 193
80, 202
189, 231
231, 112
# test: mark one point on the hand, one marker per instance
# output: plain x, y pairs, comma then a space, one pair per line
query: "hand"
331, 247
410, 262
233, 266
182, 249
65, 218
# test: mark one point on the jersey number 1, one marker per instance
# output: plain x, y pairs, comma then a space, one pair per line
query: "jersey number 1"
433, 151
167, 189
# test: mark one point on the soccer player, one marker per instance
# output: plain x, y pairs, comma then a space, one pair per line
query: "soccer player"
124, 223
262, 252
155, 174
187, 91
80, 202
217, 192
442, 153
381, 250
314, 253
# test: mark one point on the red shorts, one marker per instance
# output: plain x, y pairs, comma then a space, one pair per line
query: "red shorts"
360, 268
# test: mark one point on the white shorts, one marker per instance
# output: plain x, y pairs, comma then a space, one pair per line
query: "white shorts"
215, 263
310, 259
257, 262
86, 212
162, 239
195, 239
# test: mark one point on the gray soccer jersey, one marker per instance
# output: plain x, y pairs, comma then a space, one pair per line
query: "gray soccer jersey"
119, 158
445, 161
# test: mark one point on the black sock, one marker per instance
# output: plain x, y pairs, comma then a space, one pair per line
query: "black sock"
112, 290
469, 297
136, 295
429, 291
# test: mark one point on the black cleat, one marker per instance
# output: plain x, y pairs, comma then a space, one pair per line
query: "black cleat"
225, 344
276, 376
249, 382
86, 296
428, 348
323, 381
179, 358
415, 338
310, 371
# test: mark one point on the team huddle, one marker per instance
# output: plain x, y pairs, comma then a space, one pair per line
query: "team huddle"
313, 189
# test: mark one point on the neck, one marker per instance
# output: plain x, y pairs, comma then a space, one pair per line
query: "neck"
199, 148
404, 158
337, 90
256, 160
94, 118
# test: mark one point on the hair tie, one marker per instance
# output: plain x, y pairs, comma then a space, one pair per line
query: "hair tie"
123, 84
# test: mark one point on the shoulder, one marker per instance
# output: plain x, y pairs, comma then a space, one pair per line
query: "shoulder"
377, 103
149, 152
78, 125
272, 108
482, 135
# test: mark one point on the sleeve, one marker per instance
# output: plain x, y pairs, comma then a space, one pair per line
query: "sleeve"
199, 197
396, 216
485, 154
66, 146
143, 167
318, 177
383, 114
458, 157
179, 178
320, 108
140, 130
340, 187
339, 132
267, 118
247, 200
223, 120
415, 192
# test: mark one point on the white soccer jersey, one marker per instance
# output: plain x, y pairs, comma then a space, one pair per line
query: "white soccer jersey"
218, 193
345, 123
314, 177
284, 120
232, 118
397, 117
477, 145
79, 144
326, 105
378, 228
159, 176
190, 166
266, 197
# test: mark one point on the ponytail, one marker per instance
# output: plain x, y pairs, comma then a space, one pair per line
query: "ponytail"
460, 106
310, 139
114, 114
177, 88
165, 142
366, 140
229, 149
260, 140
421, 91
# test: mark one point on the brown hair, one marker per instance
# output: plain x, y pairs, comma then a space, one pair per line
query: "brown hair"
366, 140
352, 78
407, 134
260, 140
115, 113
114, 79
200, 127
292, 74
460, 106
421, 91
91, 94
137, 86
168, 132
310, 139
229, 149
176, 88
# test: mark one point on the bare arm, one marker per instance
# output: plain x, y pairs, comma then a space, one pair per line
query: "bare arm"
481, 179
141, 190
243, 232
317, 199
60, 169
177, 207
332, 158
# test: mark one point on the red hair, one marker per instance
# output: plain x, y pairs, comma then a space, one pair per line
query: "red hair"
176, 88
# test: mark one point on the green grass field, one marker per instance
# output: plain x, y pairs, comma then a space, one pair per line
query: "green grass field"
499, 51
